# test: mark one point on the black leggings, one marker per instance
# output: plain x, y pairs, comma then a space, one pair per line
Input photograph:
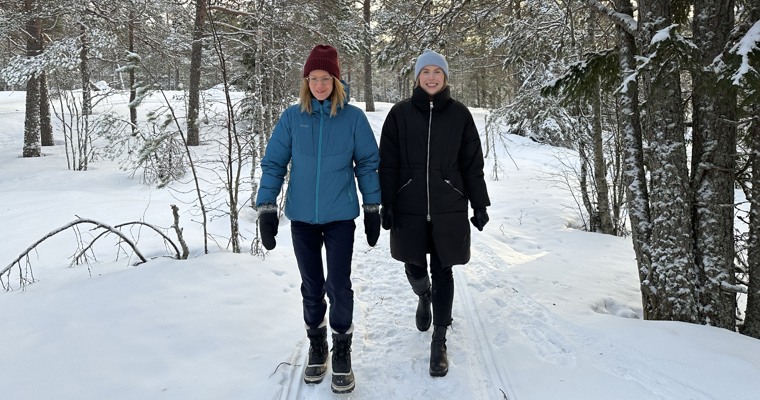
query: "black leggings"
442, 284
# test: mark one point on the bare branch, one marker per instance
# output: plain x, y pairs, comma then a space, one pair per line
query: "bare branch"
178, 231
157, 230
74, 223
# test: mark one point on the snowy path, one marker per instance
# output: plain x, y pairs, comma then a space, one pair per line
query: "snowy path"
388, 348
497, 324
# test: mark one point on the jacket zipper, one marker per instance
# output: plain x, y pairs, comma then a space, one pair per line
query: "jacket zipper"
452, 186
319, 165
430, 126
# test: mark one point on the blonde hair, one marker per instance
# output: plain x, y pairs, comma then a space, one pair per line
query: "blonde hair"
337, 97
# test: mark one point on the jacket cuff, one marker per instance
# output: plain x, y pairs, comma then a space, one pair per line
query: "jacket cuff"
265, 208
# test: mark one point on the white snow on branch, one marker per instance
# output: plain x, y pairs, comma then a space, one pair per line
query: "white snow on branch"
747, 45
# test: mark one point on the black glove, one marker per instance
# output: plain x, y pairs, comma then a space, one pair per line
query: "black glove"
372, 223
268, 223
387, 214
480, 218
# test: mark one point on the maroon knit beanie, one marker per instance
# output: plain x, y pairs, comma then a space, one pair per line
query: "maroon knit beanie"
323, 57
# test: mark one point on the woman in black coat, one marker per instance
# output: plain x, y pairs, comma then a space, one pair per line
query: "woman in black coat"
431, 167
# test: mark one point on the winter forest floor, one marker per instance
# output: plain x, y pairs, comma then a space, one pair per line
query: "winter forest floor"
543, 311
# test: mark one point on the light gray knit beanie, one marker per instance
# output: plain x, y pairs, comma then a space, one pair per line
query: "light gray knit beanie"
429, 57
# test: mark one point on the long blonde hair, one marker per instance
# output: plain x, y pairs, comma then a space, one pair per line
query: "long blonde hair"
337, 97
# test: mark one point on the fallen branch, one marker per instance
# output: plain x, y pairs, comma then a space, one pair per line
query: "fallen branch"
178, 231
157, 230
74, 223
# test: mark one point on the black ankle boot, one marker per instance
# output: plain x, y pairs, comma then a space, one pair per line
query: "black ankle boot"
439, 361
424, 314
316, 365
342, 374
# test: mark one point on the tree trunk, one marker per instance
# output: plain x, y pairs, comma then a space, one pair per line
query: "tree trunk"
33, 29
637, 193
593, 218
193, 101
369, 96
46, 127
712, 165
84, 70
32, 119
604, 216
752, 315
132, 88
673, 272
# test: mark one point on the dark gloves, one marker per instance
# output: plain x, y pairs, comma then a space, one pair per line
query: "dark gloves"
268, 223
480, 218
387, 214
372, 223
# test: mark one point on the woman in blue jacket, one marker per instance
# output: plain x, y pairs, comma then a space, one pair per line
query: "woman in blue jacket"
330, 147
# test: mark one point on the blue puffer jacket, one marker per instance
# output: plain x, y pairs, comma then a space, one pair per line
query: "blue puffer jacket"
326, 153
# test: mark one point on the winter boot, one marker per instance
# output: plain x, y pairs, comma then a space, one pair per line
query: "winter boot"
316, 365
424, 315
439, 361
421, 287
342, 374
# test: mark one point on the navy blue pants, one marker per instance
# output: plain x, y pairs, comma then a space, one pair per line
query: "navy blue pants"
338, 240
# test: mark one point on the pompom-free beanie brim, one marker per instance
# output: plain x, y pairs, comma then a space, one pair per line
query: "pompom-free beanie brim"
324, 57
429, 57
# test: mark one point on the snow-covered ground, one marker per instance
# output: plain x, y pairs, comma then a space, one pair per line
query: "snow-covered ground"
543, 310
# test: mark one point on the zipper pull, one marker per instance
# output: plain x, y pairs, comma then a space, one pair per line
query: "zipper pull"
431, 106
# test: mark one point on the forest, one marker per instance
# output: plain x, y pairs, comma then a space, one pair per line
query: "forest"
658, 98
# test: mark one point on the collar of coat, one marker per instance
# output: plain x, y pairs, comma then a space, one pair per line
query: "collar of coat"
421, 99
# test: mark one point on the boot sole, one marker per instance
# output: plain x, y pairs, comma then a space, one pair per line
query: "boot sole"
343, 389
336, 388
314, 379
438, 373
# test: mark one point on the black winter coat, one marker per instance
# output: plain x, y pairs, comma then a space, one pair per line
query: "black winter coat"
431, 166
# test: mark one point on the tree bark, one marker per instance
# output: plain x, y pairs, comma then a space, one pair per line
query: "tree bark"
196, 57
673, 273
752, 315
600, 168
713, 165
33, 30
84, 71
369, 96
132, 88
634, 174
46, 127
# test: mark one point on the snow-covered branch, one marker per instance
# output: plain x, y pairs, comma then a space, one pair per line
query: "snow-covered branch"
749, 44
622, 20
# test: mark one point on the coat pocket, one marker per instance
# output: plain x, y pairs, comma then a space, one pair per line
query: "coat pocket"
404, 185
448, 182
